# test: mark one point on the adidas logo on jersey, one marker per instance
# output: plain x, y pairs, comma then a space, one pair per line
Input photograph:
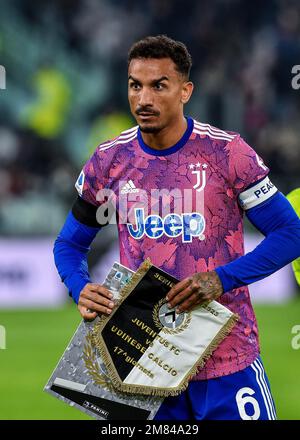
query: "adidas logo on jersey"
129, 188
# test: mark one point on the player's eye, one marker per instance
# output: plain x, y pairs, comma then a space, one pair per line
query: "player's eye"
134, 86
159, 86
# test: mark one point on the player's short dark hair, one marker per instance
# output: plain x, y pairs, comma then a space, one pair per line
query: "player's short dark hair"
162, 46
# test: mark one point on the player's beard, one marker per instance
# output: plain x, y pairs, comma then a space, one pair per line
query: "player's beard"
150, 129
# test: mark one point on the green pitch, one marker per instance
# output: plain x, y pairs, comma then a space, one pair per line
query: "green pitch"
35, 341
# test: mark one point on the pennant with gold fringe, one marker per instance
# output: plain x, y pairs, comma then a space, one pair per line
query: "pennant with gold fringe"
148, 348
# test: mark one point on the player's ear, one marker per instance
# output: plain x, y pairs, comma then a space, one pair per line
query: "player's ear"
186, 92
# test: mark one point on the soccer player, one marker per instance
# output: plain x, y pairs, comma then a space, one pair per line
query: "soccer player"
217, 178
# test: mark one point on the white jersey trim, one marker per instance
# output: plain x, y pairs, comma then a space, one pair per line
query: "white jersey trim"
257, 194
130, 130
265, 392
122, 139
267, 388
213, 130
213, 136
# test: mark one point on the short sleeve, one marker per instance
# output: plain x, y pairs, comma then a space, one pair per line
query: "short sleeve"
91, 180
248, 175
245, 166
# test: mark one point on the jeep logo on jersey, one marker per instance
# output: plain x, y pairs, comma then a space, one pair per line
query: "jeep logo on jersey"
188, 225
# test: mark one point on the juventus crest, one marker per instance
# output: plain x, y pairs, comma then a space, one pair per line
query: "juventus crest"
200, 171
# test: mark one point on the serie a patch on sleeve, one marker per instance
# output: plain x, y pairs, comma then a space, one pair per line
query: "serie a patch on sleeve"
257, 194
148, 348
80, 182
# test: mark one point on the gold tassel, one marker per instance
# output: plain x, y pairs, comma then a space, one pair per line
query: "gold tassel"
214, 344
96, 332
146, 390
155, 391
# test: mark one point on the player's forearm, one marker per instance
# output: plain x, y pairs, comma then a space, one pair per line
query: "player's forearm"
278, 221
72, 267
70, 253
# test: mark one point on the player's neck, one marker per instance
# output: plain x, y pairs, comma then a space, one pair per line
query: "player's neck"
168, 136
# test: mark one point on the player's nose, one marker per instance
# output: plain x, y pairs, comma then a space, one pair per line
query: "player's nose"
145, 97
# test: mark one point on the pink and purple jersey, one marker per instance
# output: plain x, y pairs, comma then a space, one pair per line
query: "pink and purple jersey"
182, 208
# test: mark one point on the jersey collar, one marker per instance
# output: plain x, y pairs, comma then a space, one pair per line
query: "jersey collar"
170, 150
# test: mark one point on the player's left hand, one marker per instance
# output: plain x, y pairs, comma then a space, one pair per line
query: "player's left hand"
198, 289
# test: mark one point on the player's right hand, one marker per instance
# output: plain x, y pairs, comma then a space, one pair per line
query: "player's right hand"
95, 299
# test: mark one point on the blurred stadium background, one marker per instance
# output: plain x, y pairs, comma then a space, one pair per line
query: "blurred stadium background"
66, 91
